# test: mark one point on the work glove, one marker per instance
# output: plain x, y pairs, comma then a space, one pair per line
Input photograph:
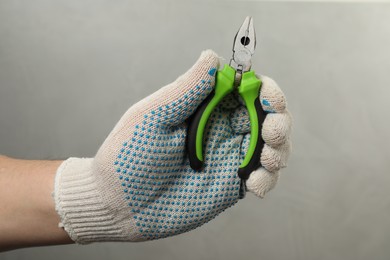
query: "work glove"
140, 185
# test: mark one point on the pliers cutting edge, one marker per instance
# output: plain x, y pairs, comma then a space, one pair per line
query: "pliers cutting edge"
235, 75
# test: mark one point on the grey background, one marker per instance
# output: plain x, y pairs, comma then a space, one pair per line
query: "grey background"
69, 69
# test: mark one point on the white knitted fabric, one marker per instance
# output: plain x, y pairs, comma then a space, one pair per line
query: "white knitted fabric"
140, 186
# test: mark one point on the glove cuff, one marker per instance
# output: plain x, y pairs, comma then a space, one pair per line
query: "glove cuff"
83, 215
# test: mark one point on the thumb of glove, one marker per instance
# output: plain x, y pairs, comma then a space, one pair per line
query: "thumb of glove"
174, 103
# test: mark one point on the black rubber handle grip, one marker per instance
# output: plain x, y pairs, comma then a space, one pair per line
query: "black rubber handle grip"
193, 129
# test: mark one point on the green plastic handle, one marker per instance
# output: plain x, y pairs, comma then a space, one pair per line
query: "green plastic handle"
223, 86
249, 90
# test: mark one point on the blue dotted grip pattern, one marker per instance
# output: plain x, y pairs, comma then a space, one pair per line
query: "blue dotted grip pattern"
165, 196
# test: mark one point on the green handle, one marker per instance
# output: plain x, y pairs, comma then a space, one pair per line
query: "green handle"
249, 90
223, 86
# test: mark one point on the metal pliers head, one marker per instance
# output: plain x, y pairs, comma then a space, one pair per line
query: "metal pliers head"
244, 46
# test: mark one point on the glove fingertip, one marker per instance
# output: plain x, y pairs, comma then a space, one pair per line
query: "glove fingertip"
204, 69
262, 181
272, 98
190, 89
277, 128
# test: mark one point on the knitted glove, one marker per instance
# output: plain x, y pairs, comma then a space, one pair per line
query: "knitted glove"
140, 186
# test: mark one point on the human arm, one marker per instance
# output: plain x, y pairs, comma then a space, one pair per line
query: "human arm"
27, 211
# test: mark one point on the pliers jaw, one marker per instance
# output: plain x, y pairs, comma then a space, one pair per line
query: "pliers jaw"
244, 46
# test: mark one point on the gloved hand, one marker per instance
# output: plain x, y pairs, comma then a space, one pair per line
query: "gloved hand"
140, 186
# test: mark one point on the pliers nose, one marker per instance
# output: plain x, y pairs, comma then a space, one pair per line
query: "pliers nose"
244, 46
